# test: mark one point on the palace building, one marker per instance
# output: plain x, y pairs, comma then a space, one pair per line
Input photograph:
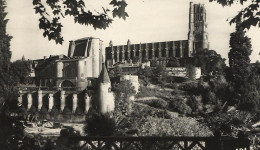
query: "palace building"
197, 40
73, 83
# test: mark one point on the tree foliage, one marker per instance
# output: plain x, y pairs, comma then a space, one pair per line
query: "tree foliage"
98, 124
239, 62
210, 62
248, 16
19, 71
5, 54
173, 62
51, 11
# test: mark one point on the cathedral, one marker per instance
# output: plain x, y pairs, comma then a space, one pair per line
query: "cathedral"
197, 40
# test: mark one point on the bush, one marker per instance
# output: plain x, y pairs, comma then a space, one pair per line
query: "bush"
98, 124
190, 87
156, 103
181, 126
193, 103
180, 106
141, 110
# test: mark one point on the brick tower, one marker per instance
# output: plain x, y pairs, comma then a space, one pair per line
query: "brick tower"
197, 36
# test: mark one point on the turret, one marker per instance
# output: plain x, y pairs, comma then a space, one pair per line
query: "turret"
106, 98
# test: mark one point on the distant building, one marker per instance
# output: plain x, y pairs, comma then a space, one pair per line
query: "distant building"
197, 40
84, 61
74, 82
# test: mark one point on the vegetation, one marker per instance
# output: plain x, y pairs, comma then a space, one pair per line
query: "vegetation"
210, 62
98, 124
180, 126
51, 13
173, 62
248, 16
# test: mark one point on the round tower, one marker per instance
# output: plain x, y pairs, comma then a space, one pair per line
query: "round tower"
106, 100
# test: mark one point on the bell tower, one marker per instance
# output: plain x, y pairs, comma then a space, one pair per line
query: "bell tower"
198, 35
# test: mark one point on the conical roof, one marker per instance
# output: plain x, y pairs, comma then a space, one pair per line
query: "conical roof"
23, 58
104, 77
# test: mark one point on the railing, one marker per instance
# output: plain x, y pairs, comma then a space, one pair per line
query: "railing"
159, 143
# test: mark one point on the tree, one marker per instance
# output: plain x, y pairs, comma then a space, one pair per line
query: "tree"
98, 124
239, 61
51, 11
173, 62
210, 62
145, 74
5, 55
136, 59
123, 91
248, 16
20, 71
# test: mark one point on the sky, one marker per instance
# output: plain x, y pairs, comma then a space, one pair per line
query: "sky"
148, 21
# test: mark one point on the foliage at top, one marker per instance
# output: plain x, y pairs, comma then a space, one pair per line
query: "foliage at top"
248, 16
52, 10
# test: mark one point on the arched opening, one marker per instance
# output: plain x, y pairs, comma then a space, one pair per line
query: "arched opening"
126, 56
132, 55
120, 56
164, 53
156, 53
143, 54
150, 54
115, 56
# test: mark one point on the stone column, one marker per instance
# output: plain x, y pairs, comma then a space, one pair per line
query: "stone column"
181, 50
39, 98
166, 49
62, 100
51, 102
140, 55
134, 51
160, 50
117, 54
29, 100
87, 102
153, 51
123, 55
74, 102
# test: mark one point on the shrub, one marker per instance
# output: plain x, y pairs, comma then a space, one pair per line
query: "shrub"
156, 103
181, 126
141, 110
193, 103
180, 106
98, 124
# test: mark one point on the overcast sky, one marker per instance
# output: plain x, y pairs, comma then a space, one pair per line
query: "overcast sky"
149, 21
